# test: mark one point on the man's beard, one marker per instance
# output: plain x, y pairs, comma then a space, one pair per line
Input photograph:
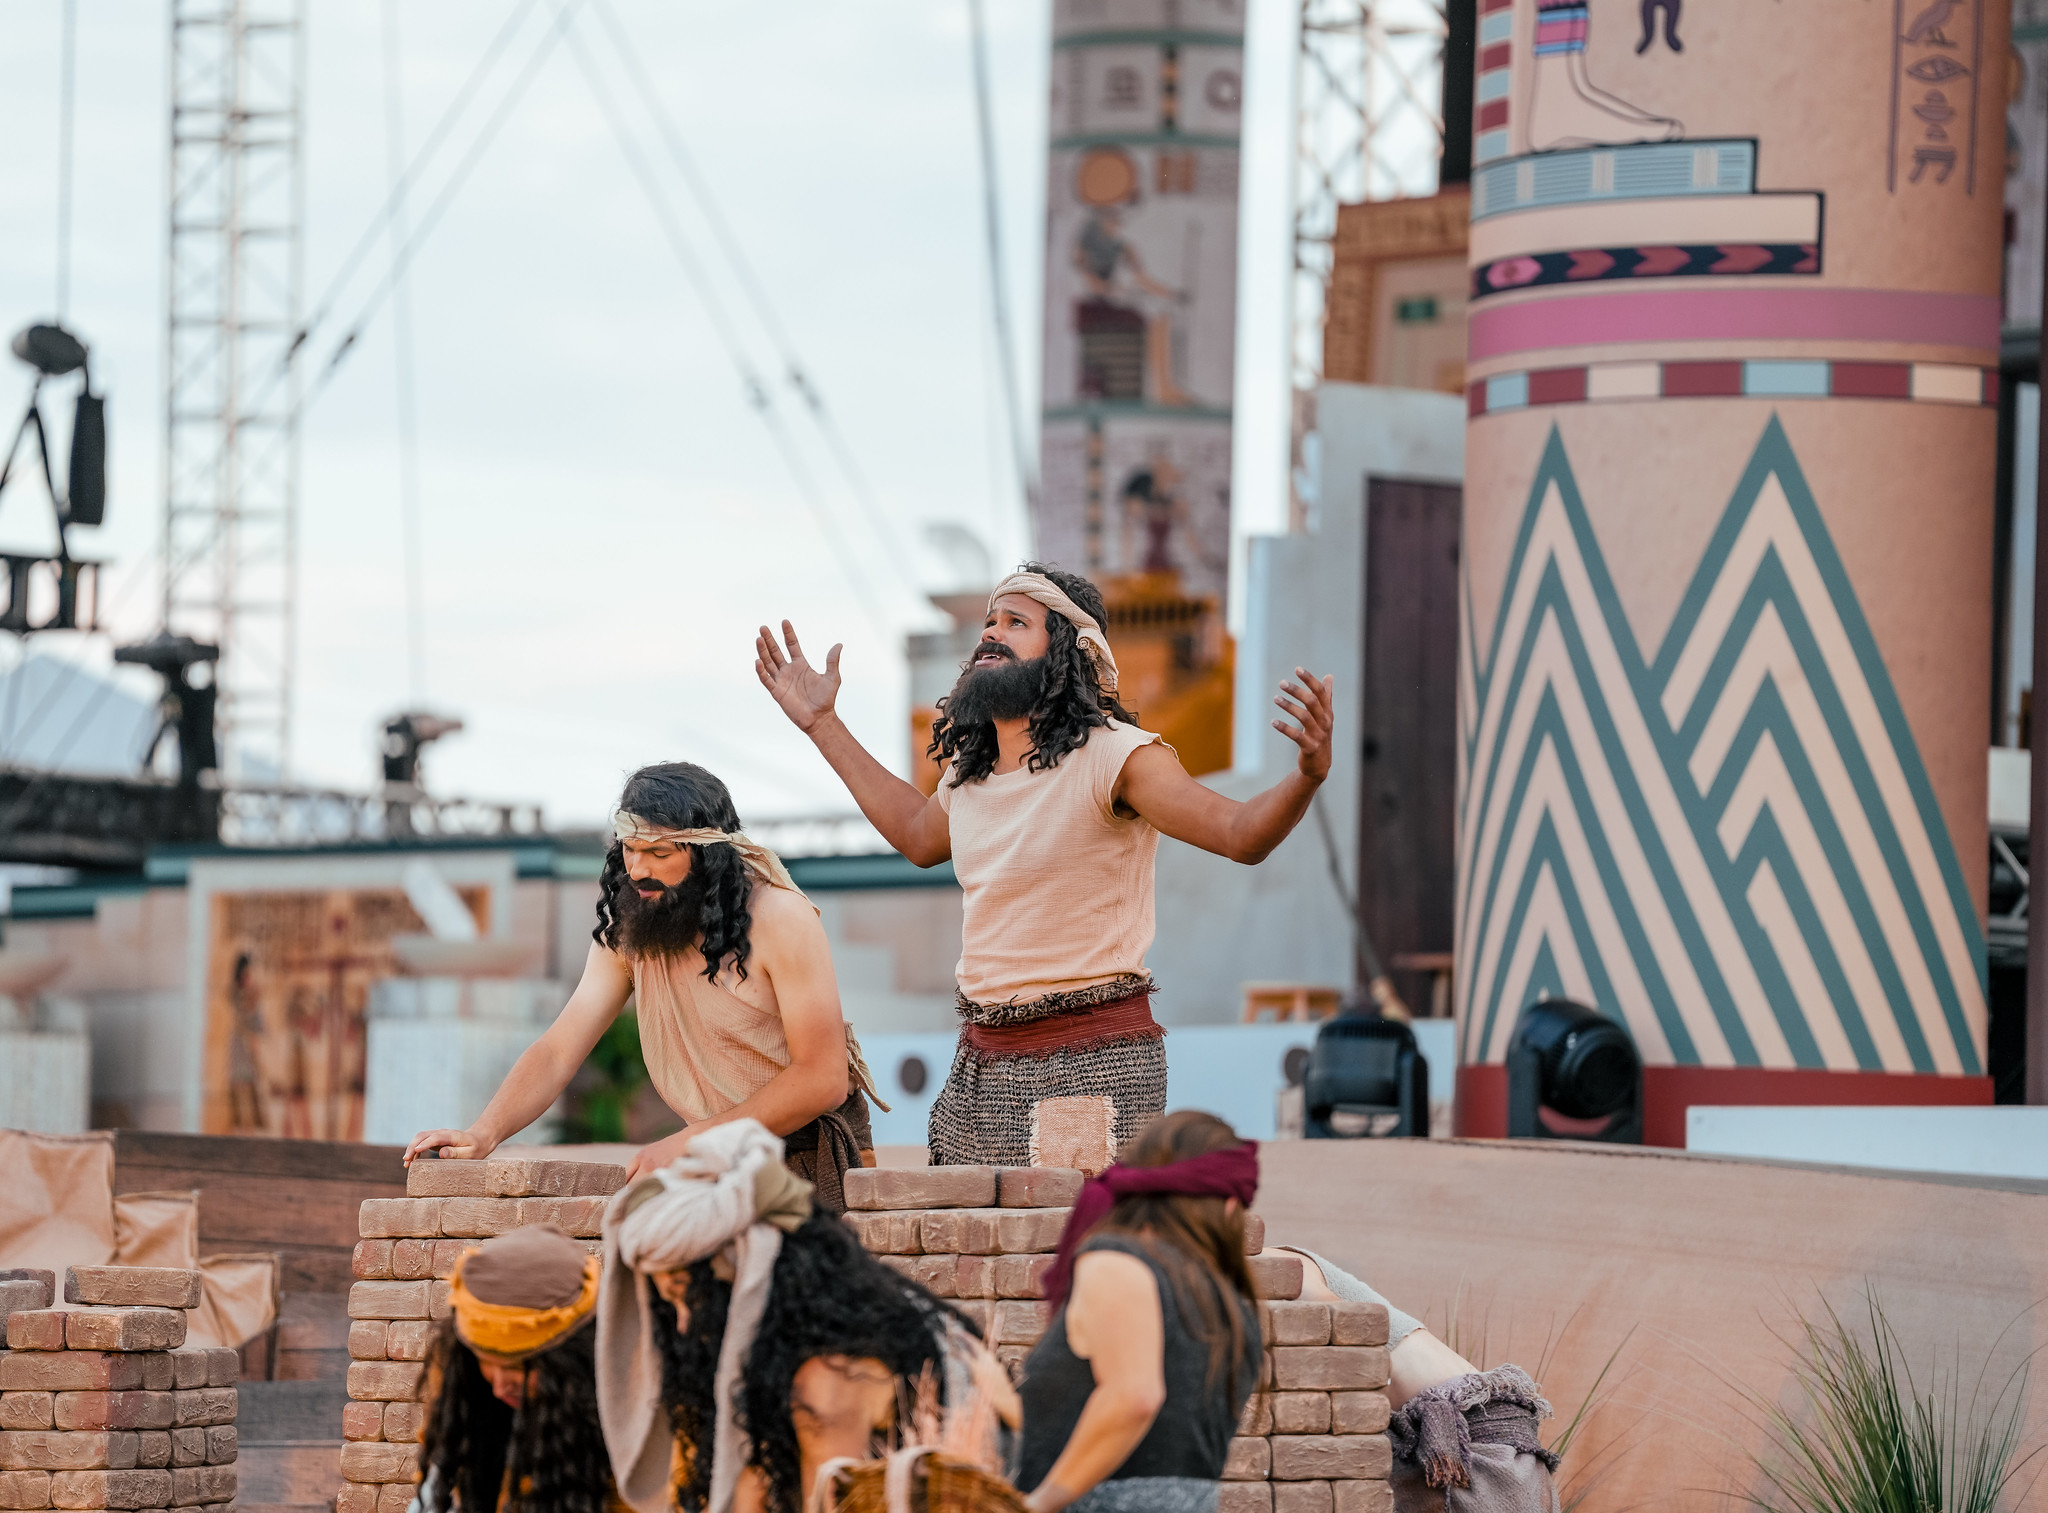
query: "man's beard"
1010, 690
668, 924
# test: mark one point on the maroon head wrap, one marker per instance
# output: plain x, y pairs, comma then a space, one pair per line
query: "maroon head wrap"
1220, 1174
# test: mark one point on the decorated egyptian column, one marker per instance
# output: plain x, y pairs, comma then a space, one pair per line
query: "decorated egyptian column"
1141, 289
1727, 624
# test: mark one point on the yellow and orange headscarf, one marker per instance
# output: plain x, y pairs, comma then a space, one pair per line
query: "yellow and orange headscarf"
524, 1292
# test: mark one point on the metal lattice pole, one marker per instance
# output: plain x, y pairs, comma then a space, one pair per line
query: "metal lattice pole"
233, 284
1368, 126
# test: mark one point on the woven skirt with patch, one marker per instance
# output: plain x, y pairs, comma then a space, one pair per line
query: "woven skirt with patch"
1096, 1042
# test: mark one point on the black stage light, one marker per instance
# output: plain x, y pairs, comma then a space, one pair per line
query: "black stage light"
1365, 1078
1573, 1074
50, 350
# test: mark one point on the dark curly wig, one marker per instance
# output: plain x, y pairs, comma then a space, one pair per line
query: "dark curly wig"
683, 796
552, 1447
828, 1297
1073, 703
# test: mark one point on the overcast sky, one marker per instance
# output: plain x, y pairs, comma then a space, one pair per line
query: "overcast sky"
605, 518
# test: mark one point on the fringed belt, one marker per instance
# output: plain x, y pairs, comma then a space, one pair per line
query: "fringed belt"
1121, 1019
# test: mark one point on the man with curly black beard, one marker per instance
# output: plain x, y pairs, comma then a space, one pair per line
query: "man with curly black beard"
511, 1416
1051, 813
738, 1007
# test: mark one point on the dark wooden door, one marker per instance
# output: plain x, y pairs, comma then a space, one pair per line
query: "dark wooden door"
1408, 727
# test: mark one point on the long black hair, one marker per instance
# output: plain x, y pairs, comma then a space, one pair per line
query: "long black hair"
828, 1297
683, 796
1073, 702
552, 1446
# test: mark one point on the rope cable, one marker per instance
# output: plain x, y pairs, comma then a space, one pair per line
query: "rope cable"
406, 390
67, 116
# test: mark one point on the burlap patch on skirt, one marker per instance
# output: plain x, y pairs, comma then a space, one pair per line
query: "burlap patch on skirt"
982, 1117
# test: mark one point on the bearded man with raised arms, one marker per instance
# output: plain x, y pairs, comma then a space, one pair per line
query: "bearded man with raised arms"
1051, 810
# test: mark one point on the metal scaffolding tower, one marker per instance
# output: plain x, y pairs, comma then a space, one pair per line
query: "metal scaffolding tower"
1368, 89
231, 388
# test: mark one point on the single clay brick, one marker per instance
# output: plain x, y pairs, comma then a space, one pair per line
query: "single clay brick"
110, 1489
582, 1218
887, 1233
368, 1340
1329, 1368
69, 1371
402, 1422
24, 1489
392, 1218
1021, 1276
598, 1179
198, 1407
189, 1367
980, 1314
1275, 1276
960, 1232
395, 1496
384, 1381
1257, 1418
1019, 1323
361, 1421
1245, 1497
478, 1218
373, 1460
933, 1273
445, 1178
357, 1497
1012, 1358
409, 1339
125, 1329
1038, 1186
193, 1485
41, 1329
31, 1274
55, 1450
1301, 1497
221, 1442
1078, 1132
223, 1366
24, 1297
974, 1276
438, 1304
921, 1187
1358, 1324
1330, 1457
528, 1178
115, 1410
153, 1448
1363, 1496
447, 1253
1297, 1323
1254, 1234
188, 1446
28, 1410
159, 1370
1359, 1412
1248, 1460
1027, 1231
412, 1260
132, 1286
1301, 1413
372, 1260
388, 1300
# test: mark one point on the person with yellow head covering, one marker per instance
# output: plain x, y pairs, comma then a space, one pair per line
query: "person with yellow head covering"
511, 1420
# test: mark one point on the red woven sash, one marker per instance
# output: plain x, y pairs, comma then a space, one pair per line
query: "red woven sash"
1071, 1030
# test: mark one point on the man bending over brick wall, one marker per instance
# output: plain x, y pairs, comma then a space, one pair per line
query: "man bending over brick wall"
739, 1011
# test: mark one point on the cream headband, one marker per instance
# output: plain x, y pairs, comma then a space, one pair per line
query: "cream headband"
760, 861
1094, 644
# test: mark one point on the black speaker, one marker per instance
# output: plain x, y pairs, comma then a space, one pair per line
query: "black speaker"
1573, 1074
85, 499
1365, 1072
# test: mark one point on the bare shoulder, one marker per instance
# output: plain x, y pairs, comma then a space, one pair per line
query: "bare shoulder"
784, 921
1113, 1273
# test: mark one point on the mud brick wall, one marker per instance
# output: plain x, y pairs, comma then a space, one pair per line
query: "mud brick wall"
1313, 1436
408, 1249
102, 1404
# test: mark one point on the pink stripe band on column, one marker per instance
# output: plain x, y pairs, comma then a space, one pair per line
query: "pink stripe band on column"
1648, 315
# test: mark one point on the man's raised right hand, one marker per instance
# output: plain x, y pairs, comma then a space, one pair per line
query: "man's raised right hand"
453, 1145
805, 694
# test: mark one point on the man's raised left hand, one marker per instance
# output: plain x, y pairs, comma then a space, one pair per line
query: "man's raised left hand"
1311, 701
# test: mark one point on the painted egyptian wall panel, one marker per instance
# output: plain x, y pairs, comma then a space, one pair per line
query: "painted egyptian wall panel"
1141, 288
1735, 279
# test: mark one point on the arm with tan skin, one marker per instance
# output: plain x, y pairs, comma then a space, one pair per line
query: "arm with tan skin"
1114, 1323
541, 1073
791, 953
915, 825
1155, 785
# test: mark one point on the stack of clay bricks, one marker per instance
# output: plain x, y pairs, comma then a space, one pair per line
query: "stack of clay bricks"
1313, 1436
102, 1404
408, 1249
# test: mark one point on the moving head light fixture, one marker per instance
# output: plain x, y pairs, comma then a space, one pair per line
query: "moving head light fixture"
1365, 1079
1573, 1074
54, 352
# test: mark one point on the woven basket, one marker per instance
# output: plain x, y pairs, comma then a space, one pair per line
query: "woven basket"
913, 1480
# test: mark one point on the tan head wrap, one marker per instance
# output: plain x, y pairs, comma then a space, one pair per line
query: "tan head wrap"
761, 862
524, 1292
1094, 644
730, 1192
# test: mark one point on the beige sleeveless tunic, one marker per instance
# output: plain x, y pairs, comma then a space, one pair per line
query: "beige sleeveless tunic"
706, 1048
